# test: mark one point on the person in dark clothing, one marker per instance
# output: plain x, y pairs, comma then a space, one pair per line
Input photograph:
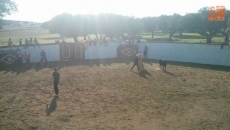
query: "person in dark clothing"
55, 78
145, 51
226, 41
135, 63
43, 56
26, 43
36, 41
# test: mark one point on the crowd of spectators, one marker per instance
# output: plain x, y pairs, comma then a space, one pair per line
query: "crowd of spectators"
20, 56
104, 42
96, 41
26, 43
26, 56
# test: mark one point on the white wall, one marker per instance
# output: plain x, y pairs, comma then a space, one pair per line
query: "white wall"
100, 52
193, 53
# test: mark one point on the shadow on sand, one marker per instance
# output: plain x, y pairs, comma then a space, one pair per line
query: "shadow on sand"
106, 62
143, 74
52, 106
169, 73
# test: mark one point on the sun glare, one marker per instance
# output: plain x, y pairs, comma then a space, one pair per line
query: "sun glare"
44, 10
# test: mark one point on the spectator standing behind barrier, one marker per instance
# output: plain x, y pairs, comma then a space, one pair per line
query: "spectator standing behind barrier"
20, 42
226, 41
36, 41
145, 52
20, 56
26, 42
43, 56
27, 57
10, 43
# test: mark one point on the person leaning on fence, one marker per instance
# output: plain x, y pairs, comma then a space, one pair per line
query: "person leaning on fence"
20, 42
10, 43
226, 41
26, 43
36, 41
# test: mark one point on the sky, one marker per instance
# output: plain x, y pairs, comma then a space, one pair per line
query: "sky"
44, 10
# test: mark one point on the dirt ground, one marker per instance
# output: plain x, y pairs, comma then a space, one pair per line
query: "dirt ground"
108, 96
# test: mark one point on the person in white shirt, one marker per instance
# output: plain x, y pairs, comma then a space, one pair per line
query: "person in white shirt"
140, 63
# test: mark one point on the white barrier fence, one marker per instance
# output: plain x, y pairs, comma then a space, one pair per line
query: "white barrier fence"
101, 52
193, 53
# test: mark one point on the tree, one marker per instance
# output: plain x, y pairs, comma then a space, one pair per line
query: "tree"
209, 28
199, 23
173, 25
7, 7
162, 23
180, 25
64, 24
191, 22
170, 24
150, 24
226, 30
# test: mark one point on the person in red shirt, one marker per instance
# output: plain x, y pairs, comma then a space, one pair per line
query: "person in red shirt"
27, 57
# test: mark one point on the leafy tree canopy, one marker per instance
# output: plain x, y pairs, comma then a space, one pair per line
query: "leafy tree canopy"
7, 7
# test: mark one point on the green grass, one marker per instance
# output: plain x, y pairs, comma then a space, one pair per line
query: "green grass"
185, 38
44, 37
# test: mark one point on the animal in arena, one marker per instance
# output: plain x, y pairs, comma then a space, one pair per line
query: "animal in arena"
162, 64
